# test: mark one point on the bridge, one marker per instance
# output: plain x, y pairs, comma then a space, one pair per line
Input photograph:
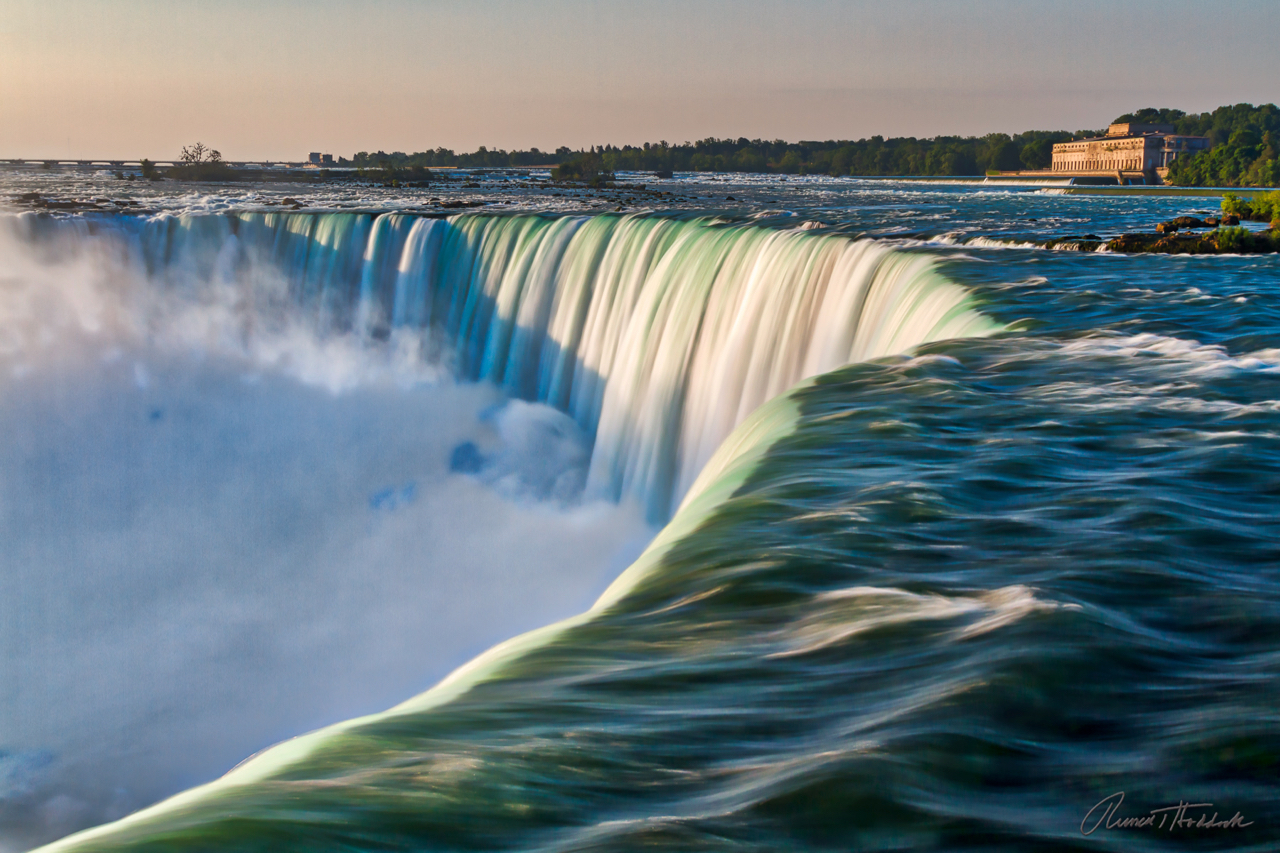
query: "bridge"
62, 163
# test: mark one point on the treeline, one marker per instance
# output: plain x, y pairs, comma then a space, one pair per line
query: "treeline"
1243, 152
943, 155
1244, 142
445, 157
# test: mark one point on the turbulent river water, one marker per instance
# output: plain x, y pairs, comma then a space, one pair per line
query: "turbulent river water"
833, 515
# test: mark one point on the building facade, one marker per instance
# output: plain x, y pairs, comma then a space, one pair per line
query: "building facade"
1129, 152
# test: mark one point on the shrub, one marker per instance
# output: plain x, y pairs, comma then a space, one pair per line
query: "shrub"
387, 174
1263, 207
586, 166
1266, 206
1232, 203
1231, 239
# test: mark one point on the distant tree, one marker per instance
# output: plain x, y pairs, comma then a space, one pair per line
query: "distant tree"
1242, 153
193, 155
201, 163
791, 162
585, 166
1151, 115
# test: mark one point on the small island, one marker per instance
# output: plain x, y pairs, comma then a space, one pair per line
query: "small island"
1179, 236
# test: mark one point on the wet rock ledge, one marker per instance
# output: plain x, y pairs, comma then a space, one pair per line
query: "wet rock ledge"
1178, 237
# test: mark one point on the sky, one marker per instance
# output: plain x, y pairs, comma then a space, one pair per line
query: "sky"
281, 78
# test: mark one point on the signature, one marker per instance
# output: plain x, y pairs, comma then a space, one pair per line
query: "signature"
1106, 814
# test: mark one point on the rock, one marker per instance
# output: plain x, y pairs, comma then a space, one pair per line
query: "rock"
1211, 243
1231, 219
1211, 222
1132, 243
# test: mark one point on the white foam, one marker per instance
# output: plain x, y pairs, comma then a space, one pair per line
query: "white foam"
223, 529
841, 615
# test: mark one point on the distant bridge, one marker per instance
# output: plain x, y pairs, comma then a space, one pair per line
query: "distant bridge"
55, 162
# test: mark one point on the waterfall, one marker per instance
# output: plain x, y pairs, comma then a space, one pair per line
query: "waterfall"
658, 335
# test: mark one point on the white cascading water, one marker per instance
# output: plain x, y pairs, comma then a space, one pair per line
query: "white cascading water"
657, 335
227, 488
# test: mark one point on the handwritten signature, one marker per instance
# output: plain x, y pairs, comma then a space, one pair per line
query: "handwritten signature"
1168, 817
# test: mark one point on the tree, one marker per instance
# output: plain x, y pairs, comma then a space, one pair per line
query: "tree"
201, 163
586, 166
1151, 115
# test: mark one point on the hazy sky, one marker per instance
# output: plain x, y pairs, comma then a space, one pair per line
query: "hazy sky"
277, 78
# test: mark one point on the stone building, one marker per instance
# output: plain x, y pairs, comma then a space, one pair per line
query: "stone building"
1130, 153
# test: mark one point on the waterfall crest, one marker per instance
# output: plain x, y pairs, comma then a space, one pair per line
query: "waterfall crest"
657, 335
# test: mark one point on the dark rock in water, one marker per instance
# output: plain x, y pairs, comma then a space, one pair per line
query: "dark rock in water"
729, 198
1132, 243
1074, 243
1211, 222
466, 459
1180, 223
1231, 219
1211, 243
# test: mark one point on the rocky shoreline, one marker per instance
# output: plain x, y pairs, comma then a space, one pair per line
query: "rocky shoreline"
1179, 236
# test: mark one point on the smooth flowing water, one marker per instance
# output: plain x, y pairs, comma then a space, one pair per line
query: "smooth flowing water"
954, 540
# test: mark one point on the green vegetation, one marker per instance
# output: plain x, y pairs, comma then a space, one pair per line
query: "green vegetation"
945, 155
149, 170
1264, 207
201, 164
1227, 240
1231, 238
1244, 142
587, 167
445, 157
388, 174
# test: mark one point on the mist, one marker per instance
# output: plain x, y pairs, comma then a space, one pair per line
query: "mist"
216, 539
